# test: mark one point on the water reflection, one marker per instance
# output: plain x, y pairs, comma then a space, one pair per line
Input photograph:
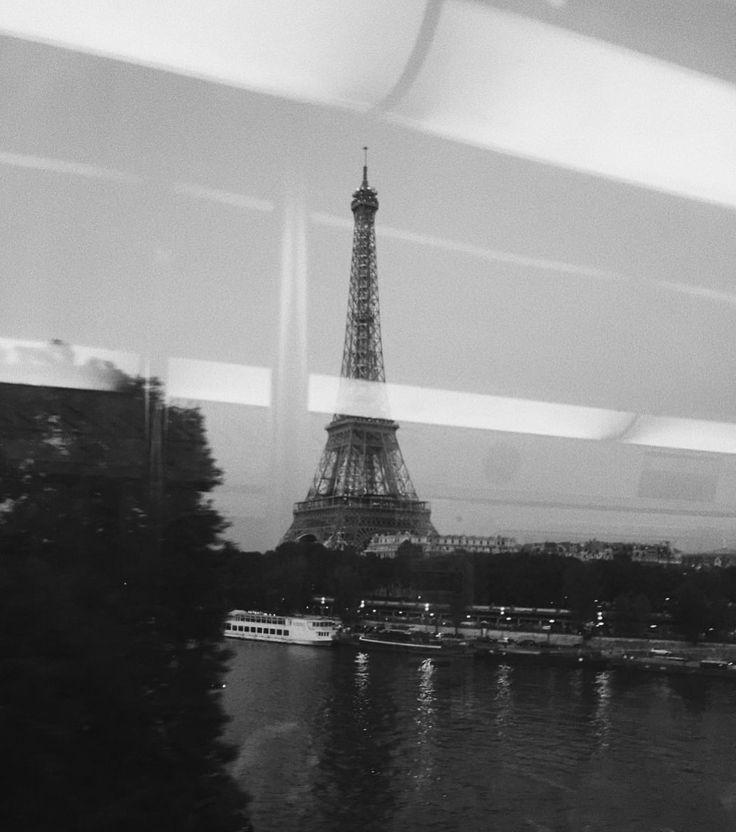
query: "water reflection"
361, 680
377, 742
693, 693
425, 710
273, 722
502, 700
602, 718
353, 784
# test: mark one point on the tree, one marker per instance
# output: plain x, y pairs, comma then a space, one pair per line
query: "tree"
632, 611
462, 583
690, 610
408, 555
110, 630
348, 590
580, 589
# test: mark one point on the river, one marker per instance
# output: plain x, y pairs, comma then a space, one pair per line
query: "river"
338, 740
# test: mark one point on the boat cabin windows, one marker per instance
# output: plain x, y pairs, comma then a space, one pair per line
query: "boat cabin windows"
323, 624
232, 627
259, 618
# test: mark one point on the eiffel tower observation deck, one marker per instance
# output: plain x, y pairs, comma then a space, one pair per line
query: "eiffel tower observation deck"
362, 486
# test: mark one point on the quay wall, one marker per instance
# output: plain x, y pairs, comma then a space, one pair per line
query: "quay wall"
606, 645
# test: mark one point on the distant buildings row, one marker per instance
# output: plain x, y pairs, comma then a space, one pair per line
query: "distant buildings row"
387, 546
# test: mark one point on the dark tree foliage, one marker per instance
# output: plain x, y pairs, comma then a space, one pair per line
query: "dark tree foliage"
407, 562
111, 621
632, 612
288, 579
526, 579
580, 589
461, 583
691, 610
682, 600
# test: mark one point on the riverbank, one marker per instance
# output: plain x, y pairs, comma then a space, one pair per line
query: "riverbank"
608, 647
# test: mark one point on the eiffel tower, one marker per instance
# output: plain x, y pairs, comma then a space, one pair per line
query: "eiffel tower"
362, 485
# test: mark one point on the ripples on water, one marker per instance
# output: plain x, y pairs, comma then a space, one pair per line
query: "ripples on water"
338, 740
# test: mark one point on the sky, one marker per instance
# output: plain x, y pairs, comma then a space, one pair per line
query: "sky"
556, 254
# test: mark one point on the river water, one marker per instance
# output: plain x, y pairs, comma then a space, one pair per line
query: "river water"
339, 740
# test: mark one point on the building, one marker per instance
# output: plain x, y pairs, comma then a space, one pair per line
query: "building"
386, 545
711, 560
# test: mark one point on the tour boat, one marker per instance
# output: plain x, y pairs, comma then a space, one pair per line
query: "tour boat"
284, 629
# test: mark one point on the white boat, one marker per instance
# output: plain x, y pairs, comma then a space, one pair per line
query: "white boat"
295, 629
413, 642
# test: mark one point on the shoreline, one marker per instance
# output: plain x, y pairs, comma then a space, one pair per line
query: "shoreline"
608, 646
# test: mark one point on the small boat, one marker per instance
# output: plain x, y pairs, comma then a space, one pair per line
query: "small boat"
720, 666
572, 657
254, 625
666, 663
411, 642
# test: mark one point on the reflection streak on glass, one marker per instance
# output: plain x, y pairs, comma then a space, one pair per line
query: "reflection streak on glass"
66, 167
474, 410
234, 200
217, 381
479, 411
574, 101
59, 364
493, 255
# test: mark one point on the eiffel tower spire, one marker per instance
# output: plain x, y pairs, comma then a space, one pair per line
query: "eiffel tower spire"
362, 485
362, 356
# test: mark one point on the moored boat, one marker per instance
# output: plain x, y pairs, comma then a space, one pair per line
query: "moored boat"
541, 654
666, 663
410, 642
254, 625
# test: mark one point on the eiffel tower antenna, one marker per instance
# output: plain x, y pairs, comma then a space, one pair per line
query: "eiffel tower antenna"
362, 486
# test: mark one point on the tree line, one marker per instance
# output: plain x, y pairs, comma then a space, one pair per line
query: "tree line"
689, 602
111, 651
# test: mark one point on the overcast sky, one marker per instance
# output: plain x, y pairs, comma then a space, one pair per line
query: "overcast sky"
546, 254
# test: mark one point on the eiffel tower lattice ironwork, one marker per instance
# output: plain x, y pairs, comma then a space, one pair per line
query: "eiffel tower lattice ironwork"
362, 485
